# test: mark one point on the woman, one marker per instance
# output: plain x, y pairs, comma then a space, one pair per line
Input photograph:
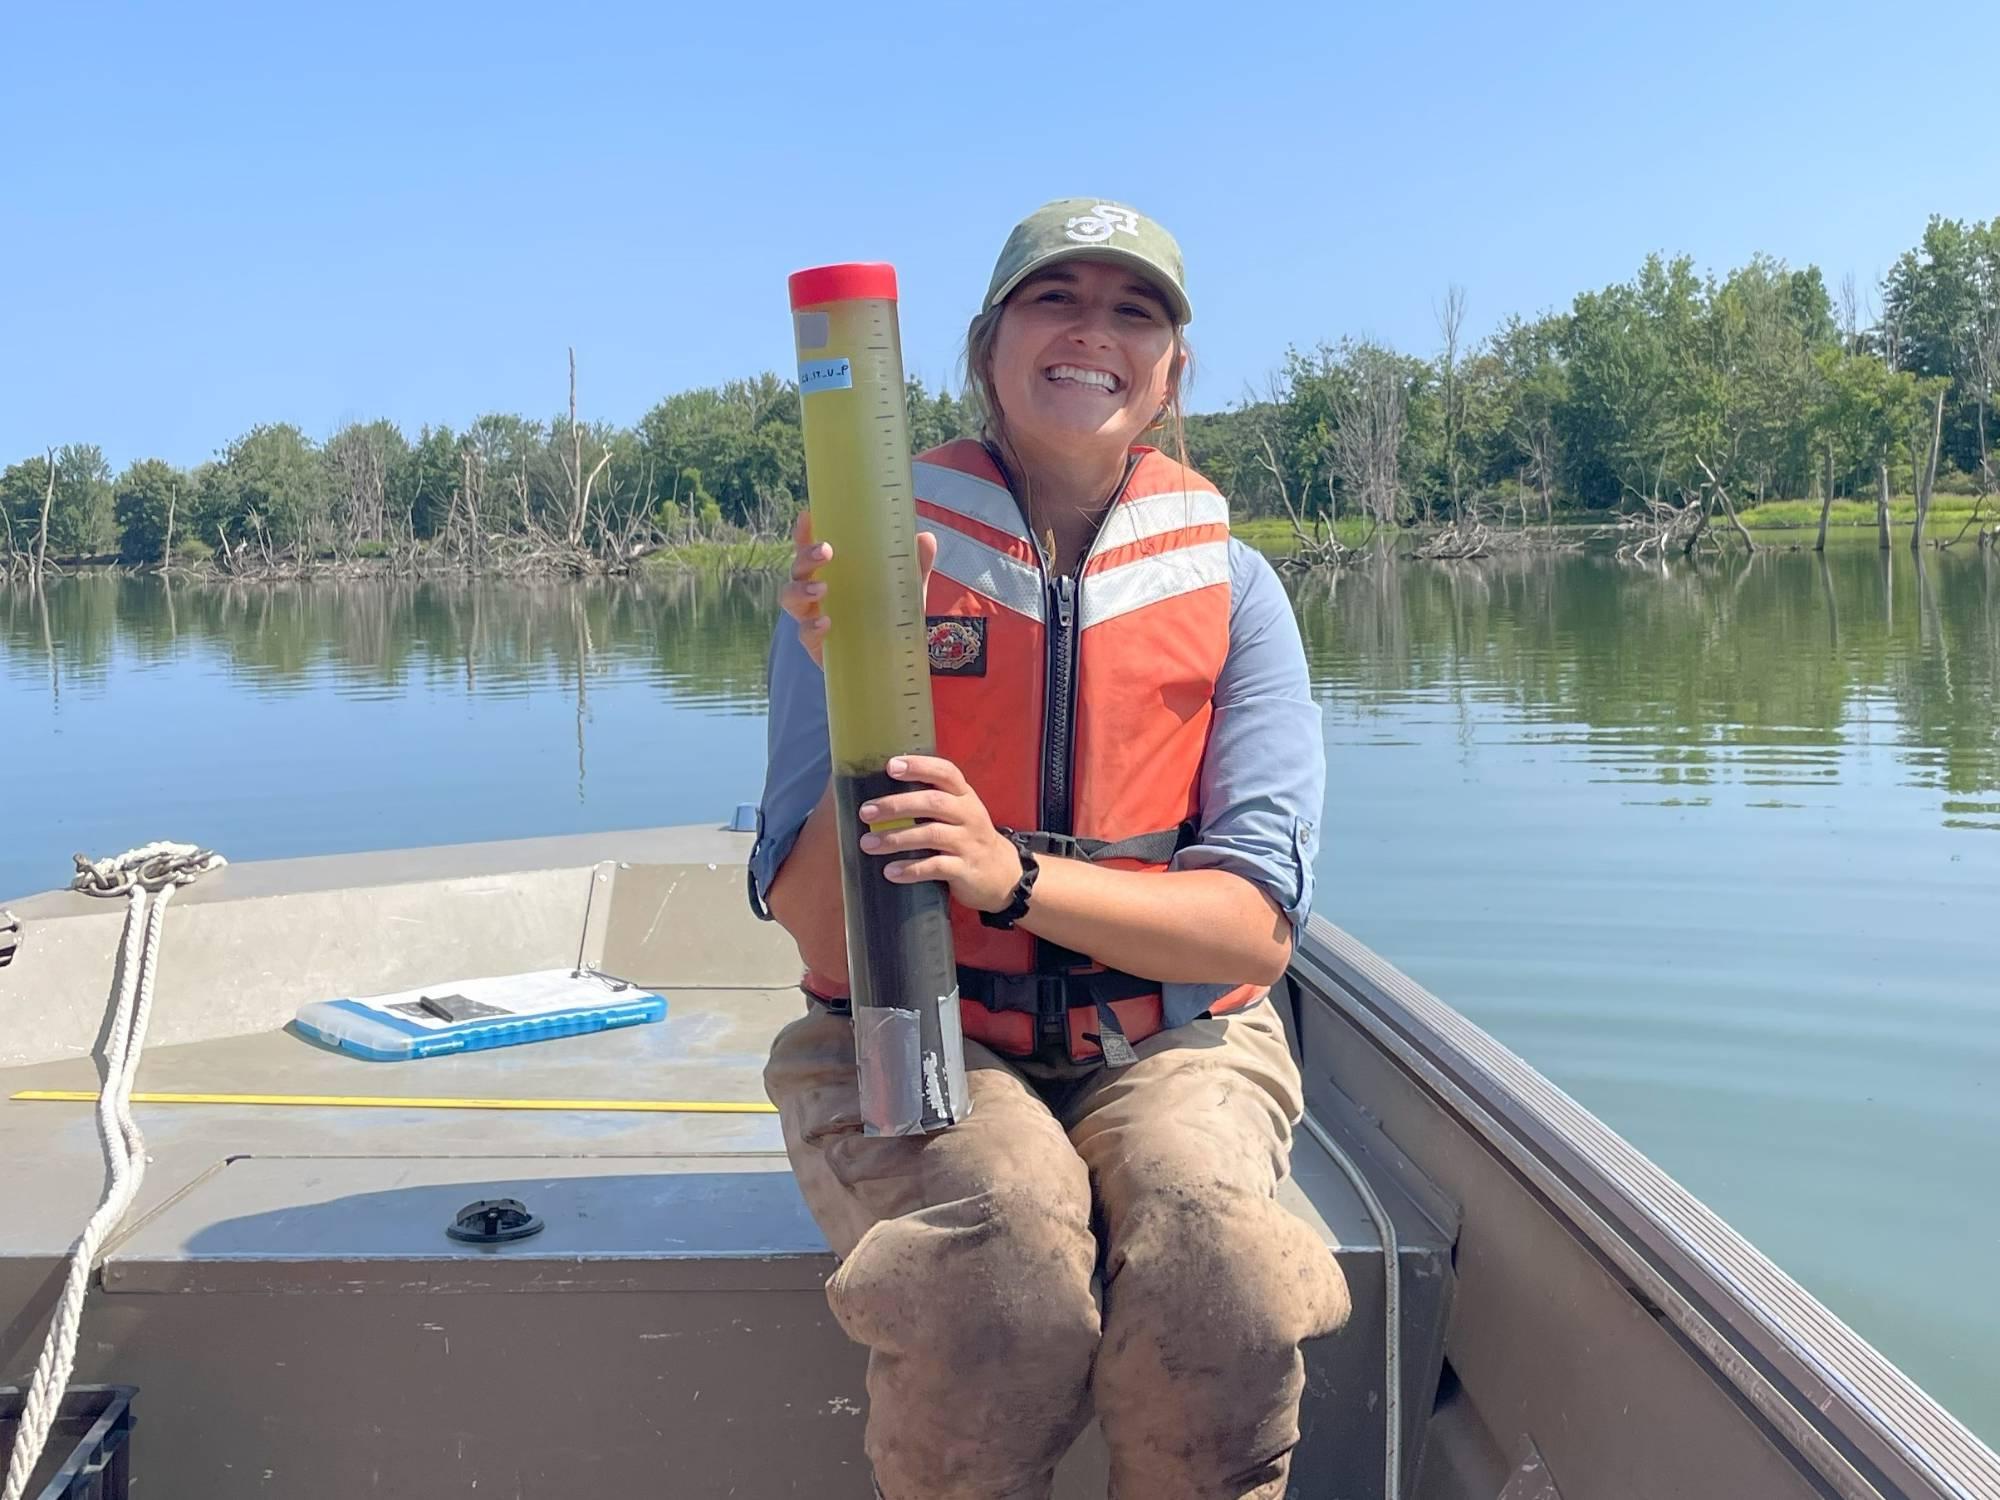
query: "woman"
1123, 808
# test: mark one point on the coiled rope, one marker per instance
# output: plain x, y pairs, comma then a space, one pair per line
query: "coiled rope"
148, 877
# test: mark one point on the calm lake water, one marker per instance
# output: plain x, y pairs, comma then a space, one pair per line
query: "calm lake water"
1718, 849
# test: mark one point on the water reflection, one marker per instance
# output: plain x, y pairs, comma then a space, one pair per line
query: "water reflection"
702, 638
307, 717
1762, 671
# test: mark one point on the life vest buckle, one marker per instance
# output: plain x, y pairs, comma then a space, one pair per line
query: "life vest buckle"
1155, 848
1055, 845
1040, 995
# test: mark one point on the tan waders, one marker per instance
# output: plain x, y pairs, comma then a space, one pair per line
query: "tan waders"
967, 1260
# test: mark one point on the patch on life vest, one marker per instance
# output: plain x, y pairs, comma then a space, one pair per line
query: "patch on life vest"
957, 645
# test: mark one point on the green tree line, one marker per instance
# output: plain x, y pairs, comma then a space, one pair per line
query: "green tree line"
1763, 380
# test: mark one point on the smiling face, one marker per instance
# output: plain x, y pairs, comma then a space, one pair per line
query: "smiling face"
1082, 359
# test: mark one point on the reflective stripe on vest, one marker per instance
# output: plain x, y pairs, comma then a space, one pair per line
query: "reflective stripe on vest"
1149, 628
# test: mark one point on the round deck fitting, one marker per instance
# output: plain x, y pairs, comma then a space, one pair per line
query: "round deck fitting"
492, 1221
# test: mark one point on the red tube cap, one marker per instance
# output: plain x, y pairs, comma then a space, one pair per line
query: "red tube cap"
842, 283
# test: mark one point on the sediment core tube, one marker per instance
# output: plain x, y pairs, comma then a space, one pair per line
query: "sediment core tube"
901, 969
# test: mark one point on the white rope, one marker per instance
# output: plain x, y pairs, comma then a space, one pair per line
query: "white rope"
167, 866
153, 866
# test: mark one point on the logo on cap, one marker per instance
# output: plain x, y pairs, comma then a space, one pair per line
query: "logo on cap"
1103, 221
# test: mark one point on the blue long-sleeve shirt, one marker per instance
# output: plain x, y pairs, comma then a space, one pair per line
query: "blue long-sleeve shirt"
1263, 776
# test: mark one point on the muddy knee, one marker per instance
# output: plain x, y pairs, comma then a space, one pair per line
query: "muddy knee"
1213, 1275
981, 1329
813, 1053
996, 1277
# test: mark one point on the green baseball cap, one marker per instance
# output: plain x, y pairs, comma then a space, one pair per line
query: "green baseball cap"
1091, 229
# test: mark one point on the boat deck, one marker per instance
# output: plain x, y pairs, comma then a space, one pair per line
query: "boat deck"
710, 1047
1570, 1322
286, 1261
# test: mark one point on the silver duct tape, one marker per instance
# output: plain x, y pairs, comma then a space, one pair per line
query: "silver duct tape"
907, 1088
950, 1095
889, 1053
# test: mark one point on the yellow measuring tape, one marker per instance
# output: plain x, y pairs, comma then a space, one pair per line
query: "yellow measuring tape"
378, 1101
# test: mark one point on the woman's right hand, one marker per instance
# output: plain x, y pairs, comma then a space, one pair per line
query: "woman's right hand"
802, 596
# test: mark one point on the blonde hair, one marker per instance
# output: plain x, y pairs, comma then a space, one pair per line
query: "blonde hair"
992, 422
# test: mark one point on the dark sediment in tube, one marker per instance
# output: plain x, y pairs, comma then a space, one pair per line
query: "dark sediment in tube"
899, 949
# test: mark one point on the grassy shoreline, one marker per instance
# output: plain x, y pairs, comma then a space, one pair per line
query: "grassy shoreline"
1271, 535
1803, 515
721, 557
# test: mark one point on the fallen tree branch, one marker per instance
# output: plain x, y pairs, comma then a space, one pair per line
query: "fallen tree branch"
1749, 542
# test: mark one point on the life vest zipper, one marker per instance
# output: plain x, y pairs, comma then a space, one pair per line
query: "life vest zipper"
1059, 683
1054, 797
1058, 721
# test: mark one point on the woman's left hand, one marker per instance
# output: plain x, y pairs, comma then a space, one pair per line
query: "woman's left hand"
958, 842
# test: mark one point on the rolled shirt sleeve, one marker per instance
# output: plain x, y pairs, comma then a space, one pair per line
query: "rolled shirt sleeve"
797, 759
1263, 778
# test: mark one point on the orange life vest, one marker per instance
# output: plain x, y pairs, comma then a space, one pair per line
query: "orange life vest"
1077, 706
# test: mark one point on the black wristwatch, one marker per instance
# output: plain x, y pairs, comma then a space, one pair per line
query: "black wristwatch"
1017, 903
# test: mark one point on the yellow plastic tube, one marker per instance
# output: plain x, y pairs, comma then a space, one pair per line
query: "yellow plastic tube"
901, 970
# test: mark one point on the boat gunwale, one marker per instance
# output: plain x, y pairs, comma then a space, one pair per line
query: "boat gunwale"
1854, 1417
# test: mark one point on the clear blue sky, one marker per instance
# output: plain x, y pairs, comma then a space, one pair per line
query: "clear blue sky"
215, 216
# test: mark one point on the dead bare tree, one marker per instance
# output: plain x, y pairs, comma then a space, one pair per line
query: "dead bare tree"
1318, 549
523, 486
16, 561
580, 485
1826, 497
1464, 538
1883, 529
1370, 409
1468, 537
472, 491
1451, 320
1665, 526
42, 535
1924, 470
1977, 514
1540, 436
359, 457
1660, 526
1985, 369
1728, 505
